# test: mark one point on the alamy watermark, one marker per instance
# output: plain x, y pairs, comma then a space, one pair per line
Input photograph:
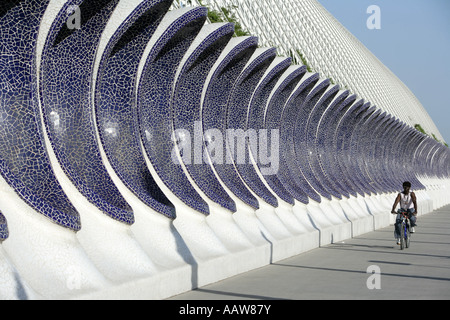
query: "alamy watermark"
374, 280
374, 20
238, 146
74, 17
73, 278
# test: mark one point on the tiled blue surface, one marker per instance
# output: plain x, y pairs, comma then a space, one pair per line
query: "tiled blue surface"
302, 133
357, 153
255, 120
342, 133
308, 152
115, 103
3, 228
374, 169
321, 157
153, 101
236, 119
290, 173
405, 172
324, 149
24, 162
66, 71
214, 111
395, 130
272, 121
187, 112
384, 152
350, 152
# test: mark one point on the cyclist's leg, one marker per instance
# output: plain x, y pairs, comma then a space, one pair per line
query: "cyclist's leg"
412, 217
397, 226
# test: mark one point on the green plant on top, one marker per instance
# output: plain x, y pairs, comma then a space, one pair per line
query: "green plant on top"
226, 15
304, 62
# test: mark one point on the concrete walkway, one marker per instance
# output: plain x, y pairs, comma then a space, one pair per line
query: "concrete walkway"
370, 266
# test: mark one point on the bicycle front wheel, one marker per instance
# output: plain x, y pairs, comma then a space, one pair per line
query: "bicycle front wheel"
402, 236
407, 236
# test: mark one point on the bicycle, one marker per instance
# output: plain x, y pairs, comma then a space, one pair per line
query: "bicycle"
405, 227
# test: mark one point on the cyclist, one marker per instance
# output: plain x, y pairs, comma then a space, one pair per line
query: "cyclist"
408, 203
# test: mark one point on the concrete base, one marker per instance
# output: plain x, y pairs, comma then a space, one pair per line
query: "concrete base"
186, 253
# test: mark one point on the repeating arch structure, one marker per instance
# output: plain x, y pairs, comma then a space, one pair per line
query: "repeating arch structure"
3, 228
145, 152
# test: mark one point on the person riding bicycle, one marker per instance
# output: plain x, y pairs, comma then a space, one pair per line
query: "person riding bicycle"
408, 204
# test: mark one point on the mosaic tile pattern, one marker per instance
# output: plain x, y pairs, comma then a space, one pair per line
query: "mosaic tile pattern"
348, 153
307, 121
163, 71
24, 162
66, 70
115, 103
341, 133
255, 119
3, 228
354, 153
322, 153
377, 170
301, 134
285, 84
214, 109
154, 94
281, 114
305, 27
236, 119
186, 110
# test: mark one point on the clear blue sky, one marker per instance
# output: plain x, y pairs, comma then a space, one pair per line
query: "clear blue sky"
413, 42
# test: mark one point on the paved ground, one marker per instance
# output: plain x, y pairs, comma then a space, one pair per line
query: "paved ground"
347, 269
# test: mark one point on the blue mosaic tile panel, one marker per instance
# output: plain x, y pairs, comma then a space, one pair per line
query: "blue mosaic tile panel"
292, 182
377, 169
351, 153
442, 167
433, 151
356, 154
418, 155
321, 158
343, 132
323, 152
4, 233
401, 172
392, 127
115, 103
66, 71
406, 137
394, 132
24, 161
395, 128
255, 119
421, 154
214, 111
311, 132
186, 111
236, 119
381, 151
154, 94
301, 135
332, 119
366, 144
281, 114
413, 140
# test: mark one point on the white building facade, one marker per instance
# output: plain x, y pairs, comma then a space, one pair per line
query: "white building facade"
306, 28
